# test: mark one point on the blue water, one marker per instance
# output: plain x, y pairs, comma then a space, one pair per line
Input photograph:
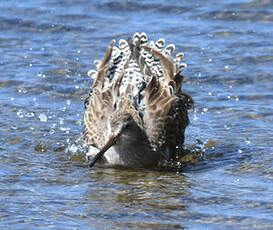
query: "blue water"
46, 49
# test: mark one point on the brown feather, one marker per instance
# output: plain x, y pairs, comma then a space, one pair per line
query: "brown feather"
158, 110
107, 55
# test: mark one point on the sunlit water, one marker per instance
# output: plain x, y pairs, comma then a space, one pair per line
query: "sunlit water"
46, 49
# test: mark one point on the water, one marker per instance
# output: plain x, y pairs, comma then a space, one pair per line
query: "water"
46, 49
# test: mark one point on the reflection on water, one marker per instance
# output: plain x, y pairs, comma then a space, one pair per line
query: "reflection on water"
226, 179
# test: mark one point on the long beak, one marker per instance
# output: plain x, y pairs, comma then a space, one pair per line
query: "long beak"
112, 140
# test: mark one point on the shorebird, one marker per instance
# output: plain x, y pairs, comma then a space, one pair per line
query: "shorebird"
136, 113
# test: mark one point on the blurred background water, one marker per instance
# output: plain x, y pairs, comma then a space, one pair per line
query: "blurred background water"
46, 49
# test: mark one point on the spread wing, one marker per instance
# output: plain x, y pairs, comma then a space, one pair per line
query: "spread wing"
142, 79
166, 114
99, 105
158, 103
108, 103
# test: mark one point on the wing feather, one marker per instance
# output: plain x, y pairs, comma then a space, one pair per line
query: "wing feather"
144, 81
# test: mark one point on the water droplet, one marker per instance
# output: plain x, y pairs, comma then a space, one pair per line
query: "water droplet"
31, 114
52, 131
195, 118
68, 102
20, 114
73, 148
226, 66
227, 128
61, 121
22, 90
64, 129
43, 117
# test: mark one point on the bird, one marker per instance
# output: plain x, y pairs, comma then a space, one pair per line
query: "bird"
136, 112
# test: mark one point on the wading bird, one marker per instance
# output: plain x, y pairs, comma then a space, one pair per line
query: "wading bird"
136, 113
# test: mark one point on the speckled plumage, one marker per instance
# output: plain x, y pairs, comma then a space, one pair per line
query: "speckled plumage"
136, 112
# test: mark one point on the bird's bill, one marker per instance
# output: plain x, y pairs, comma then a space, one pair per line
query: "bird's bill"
112, 140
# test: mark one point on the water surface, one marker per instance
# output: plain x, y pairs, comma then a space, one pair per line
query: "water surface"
48, 46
